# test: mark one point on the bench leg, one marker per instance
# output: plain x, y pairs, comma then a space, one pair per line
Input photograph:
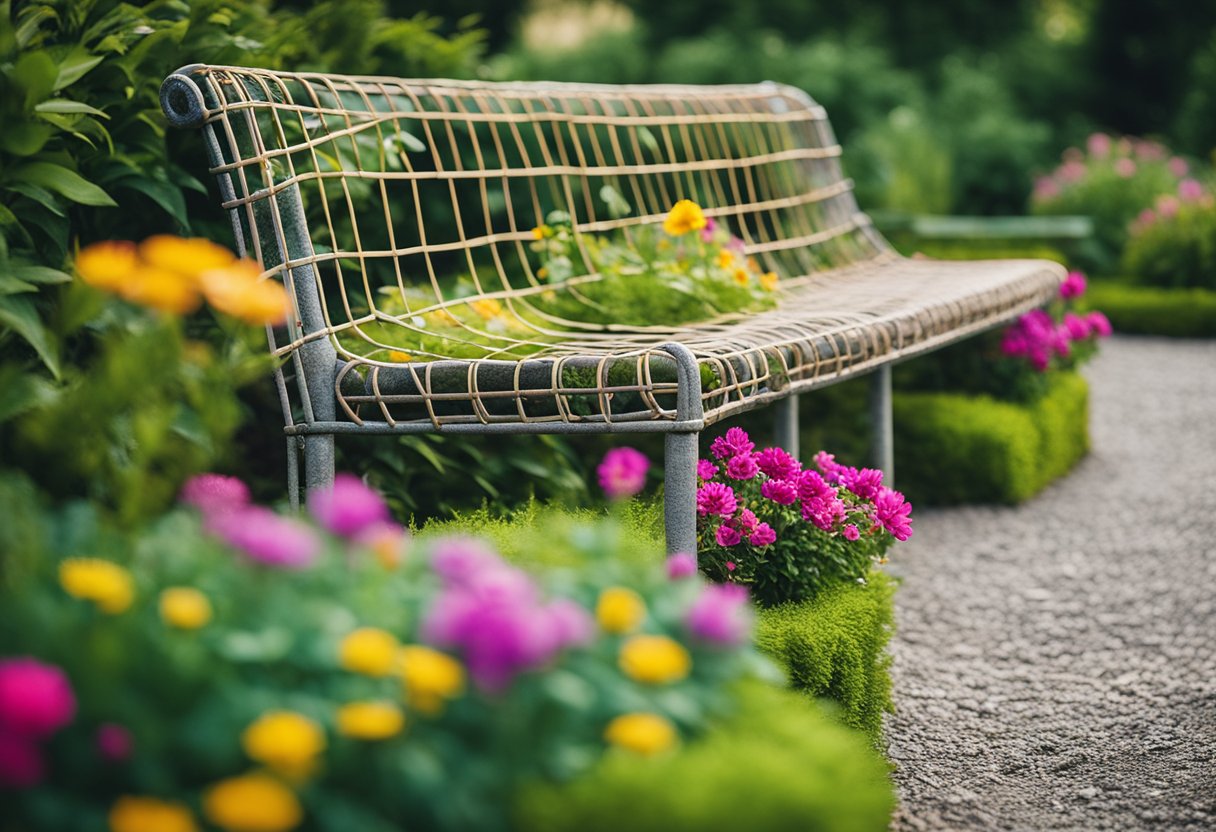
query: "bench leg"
318, 462
680, 492
880, 420
294, 444
785, 424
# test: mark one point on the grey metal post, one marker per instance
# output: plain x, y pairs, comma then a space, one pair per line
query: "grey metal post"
680, 457
785, 424
881, 423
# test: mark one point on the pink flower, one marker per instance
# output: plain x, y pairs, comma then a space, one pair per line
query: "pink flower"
348, 506
1073, 286
1149, 151
707, 233
826, 463
573, 625
1167, 206
721, 615
212, 493
850, 532
763, 535
823, 514
746, 521
813, 487
1071, 171
21, 763
1189, 190
716, 498
742, 467
733, 443
864, 483
1078, 327
1099, 324
893, 513
1178, 166
730, 566
1126, 168
706, 470
1098, 145
36, 699
681, 565
459, 560
727, 536
781, 492
1045, 188
777, 464
622, 473
268, 538
1060, 341
114, 742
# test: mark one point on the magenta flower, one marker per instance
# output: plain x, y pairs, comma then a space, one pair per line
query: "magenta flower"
730, 566
458, 560
733, 443
826, 463
348, 506
36, 698
850, 532
716, 498
742, 467
1060, 343
114, 742
746, 521
268, 538
721, 615
706, 470
1099, 324
707, 233
1078, 327
622, 473
815, 488
681, 565
763, 535
573, 625
1073, 286
781, 492
777, 464
21, 763
211, 493
864, 482
727, 535
823, 514
893, 513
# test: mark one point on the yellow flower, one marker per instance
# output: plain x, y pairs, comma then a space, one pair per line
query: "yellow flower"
541, 232
370, 651
488, 308
399, 356
654, 660
184, 607
726, 258
643, 733
107, 265
284, 741
442, 316
370, 720
768, 281
430, 678
147, 814
252, 803
187, 256
161, 289
685, 216
106, 584
753, 264
741, 277
239, 291
620, 610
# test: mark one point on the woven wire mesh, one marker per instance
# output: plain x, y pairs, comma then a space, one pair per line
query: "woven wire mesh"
385, 205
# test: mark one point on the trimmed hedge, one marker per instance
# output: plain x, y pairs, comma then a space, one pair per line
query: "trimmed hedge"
833, 647
952, 449
1147, 310
778, 764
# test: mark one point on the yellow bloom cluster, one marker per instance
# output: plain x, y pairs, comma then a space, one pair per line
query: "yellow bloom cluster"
654, 660
172, 274
620, 610
148, 814
252, 803
685, 216
370, 720
370, 651
184, 607
642, 733
285, 741
431, 678
106, 584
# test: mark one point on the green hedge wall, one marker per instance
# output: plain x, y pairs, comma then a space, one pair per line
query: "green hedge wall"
779, 764
1145, 310
952, 449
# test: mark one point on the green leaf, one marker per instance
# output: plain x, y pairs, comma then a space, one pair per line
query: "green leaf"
20, 392
25, 138
30, 25
34, 72
648, 139
163, 194
75, 65
63, 105
62, 181
10, 285
39, 274
19, 315
40, 195
617, 206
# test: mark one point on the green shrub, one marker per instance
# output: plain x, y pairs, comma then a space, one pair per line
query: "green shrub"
1146, 310
1174, 247
779, 764
833, 647
952, 449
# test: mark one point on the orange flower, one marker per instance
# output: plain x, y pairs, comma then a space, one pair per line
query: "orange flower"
741, 277
237, 290
187, 256
107, 265
161, 289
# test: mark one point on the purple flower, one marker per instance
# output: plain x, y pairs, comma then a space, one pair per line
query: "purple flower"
458, 560
826, 463
681, 565
716, 498
721, 615
706, 470
893, 513
727, 535
781, 492
1099, 324
622, 473
763, 535
733, 443
1073, 286
777, 464
213, 493
348, 506
864, 483
742, 467
268, 538
572, 624
850, 532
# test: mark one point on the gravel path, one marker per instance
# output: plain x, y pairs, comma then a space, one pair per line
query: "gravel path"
1055, 664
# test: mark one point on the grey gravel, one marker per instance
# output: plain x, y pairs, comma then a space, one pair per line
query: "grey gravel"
1054, 663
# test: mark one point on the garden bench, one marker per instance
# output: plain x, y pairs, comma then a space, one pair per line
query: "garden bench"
382, 203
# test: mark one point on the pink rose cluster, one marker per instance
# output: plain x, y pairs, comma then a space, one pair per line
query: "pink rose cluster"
348, 508
1038, 337
835, 498
1166, 206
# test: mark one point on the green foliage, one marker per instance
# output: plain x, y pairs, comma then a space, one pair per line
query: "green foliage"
1175, 250
778, 764
1142, 310
952, 448
833, 647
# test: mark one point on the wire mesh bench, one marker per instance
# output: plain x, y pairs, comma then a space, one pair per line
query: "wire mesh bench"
382, 203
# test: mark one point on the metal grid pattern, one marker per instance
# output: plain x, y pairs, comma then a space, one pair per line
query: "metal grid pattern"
383, 203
